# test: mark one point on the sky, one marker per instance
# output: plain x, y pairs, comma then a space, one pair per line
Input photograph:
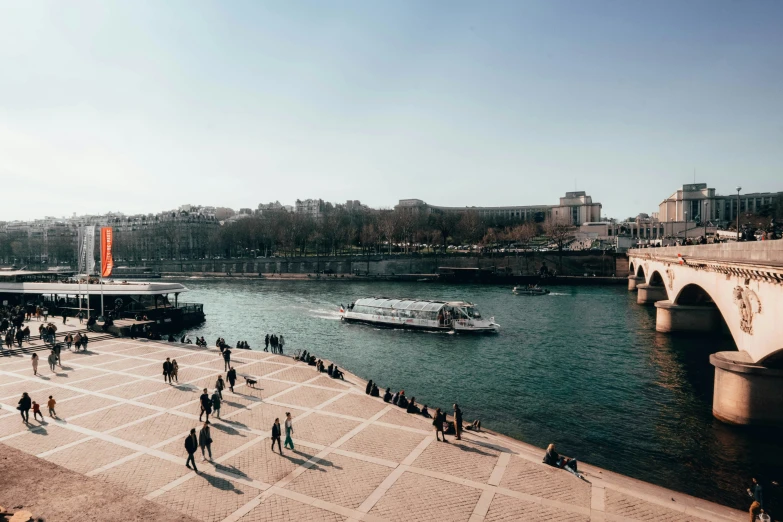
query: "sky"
141, 106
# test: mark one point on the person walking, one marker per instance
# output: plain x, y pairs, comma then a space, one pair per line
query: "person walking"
216, 403
34, 359
51, 404
57, 348
37, 411
458, 421
276, 435
289, 429
191, 445
205, 441
175, 370
206, 405
220, 385
227, 359
266, 343
437, 421
81, 317
65, 315
24, 407
167, 369
757, 494
52, 360
231, 377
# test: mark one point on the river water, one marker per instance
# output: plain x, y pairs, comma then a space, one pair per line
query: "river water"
582, 367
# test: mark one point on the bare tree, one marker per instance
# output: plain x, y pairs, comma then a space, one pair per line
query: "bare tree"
560, 234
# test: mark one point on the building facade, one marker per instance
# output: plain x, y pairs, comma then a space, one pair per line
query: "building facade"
573, 209
698, 203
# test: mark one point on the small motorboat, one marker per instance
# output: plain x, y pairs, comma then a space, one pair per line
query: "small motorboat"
529, 290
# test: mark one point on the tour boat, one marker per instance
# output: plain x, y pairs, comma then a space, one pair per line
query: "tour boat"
523, 290
61, 292
447, 316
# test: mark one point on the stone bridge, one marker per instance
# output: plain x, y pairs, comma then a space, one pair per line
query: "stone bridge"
733, 288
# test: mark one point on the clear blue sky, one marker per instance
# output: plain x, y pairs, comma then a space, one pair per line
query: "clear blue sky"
140, 106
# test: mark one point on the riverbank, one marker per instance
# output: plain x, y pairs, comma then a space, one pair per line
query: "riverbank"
404, 278
356, 457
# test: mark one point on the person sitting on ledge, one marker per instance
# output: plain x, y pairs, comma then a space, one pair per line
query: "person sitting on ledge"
402, 402
375, 392
312, 361
330, 369
425, 412
412, 408
303, 356
319, 366
475, 426
387, 396
337, 374
395, 398
368, 388
553, 458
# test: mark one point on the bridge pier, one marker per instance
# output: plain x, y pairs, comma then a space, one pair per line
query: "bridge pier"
649, 294
633, 281
671, 318
746, 393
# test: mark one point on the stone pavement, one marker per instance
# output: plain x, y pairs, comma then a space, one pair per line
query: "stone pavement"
356, 457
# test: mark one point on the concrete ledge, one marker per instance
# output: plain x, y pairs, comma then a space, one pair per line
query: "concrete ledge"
740, 362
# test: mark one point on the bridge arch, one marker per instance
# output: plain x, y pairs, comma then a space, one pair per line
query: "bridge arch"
640, 271
656, 279
694, 295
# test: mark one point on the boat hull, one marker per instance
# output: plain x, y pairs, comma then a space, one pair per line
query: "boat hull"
420, 327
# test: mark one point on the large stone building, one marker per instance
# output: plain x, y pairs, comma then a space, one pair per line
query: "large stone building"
697, 203
574, 209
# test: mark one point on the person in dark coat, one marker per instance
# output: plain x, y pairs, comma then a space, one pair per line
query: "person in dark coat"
387, 397
191, 445
227, 359
276, 436
205, 441
25, 403
458, 421
375, 392
553, 458
437, 422
231, 377
206, 405
167, 369
368, 388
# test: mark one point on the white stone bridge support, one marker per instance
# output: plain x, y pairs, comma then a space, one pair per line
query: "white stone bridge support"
700, 288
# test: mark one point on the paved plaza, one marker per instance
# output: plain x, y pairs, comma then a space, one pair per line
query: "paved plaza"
356, 457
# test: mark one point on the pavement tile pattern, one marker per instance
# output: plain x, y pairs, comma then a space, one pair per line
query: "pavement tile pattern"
356, 457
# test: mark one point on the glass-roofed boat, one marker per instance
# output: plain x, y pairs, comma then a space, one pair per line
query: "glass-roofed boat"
457, 316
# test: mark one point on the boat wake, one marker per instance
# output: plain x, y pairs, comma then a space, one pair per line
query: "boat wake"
325, 314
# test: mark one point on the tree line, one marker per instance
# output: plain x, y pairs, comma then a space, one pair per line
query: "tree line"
337, 231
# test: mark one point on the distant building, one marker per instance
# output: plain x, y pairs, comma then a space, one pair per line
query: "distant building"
309, 207
574, 209
697, 203
267, 207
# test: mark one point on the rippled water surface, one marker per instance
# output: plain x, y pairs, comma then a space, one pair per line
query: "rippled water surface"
582, 367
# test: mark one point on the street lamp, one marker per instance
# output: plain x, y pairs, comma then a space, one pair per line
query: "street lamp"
738, 212
686, 227
706, 217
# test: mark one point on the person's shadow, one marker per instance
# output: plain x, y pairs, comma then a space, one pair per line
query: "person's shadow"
220, 483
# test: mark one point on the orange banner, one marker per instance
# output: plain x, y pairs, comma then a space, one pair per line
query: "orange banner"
107, 262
